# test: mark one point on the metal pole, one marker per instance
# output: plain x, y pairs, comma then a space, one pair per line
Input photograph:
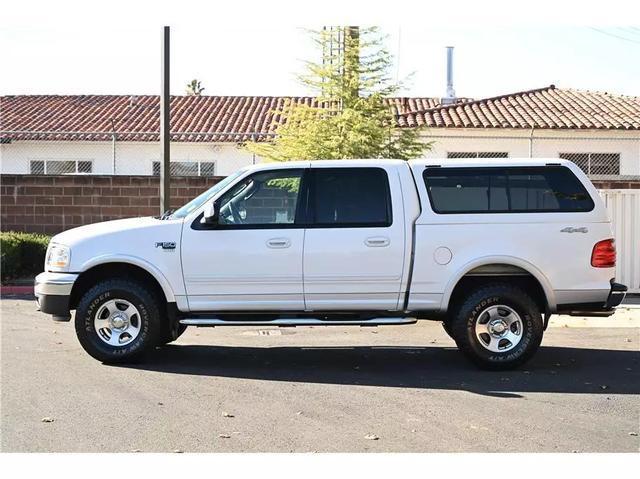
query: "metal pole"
165, 139
113, 145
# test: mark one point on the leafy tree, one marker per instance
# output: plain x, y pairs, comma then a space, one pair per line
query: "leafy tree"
348, 117
194, 88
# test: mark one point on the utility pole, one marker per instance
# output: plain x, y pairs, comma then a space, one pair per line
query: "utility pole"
165, 139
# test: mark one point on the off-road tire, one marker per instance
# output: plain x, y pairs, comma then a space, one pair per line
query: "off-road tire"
151, 324
465, 315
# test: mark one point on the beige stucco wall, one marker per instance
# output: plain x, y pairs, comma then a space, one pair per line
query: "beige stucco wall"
539, 143
137, 157
134, 158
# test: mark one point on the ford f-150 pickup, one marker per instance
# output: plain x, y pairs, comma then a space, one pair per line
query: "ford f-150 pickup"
489, 247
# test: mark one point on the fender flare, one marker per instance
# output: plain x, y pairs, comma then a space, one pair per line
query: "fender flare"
134, 260
510, 260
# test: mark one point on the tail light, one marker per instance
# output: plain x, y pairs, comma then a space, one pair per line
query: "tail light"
604, 254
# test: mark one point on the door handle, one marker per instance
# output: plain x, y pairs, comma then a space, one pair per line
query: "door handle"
377, 242
279, 243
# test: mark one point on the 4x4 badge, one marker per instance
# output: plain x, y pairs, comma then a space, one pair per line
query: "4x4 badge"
166, 245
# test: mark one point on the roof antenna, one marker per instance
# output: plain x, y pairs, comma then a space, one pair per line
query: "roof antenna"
450, 97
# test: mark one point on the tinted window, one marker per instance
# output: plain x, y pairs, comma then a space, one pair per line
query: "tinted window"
351, 197
506, 190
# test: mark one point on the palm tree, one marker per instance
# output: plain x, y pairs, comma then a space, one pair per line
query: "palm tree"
194, 88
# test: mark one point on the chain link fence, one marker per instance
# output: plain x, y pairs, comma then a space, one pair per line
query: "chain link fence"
208, 154
601, 158
202, 154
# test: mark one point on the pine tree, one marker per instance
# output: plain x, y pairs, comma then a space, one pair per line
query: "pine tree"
349, 117
194, 88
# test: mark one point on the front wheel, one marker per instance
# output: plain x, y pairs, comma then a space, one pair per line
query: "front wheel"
118, 321
498, 326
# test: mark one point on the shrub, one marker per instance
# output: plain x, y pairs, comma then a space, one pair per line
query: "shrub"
21, 254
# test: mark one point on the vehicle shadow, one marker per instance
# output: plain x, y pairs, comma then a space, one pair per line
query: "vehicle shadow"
553, 369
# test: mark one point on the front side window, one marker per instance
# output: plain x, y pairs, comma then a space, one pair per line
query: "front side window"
265, 198
506, 190
351, 197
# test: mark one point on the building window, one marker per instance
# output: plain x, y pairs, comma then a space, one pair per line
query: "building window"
477, 154
187, 168
61, 167
595, 163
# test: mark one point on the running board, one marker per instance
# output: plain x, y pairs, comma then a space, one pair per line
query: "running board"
297, 322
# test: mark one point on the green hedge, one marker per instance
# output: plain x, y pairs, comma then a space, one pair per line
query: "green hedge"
21, 254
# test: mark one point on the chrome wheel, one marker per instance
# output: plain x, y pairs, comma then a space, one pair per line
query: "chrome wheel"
117, 322
499, 328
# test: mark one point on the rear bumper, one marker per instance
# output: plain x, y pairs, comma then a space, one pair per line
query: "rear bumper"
52, 292
615, 297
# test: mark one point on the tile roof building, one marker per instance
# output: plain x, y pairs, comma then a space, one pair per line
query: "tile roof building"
545, 108
103, 134
137, 117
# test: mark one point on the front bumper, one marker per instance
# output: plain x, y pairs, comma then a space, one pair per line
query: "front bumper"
52, 292
616, 296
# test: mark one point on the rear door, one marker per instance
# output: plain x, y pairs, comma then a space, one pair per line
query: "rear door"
355, 239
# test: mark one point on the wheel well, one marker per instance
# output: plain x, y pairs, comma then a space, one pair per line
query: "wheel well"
113, 270
496, 273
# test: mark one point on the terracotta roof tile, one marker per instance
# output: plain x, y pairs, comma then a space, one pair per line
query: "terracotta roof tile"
219, 118
238, 118
546, 108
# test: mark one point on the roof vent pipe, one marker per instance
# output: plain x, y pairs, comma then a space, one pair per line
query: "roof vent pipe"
451, 94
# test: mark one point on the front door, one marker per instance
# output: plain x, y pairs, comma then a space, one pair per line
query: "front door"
355, 241
251, 259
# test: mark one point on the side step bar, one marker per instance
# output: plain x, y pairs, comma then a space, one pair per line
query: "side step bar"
297, 322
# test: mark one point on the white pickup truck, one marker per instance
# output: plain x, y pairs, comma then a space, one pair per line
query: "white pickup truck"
491, 248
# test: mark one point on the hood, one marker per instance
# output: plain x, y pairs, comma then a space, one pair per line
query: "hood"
82, 233
133, 239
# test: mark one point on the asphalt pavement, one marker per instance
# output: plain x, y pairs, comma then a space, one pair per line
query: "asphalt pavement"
337, 389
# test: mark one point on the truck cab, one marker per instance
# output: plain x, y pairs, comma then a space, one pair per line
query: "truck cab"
491, 248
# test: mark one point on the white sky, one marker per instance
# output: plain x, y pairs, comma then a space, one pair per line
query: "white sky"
113, 47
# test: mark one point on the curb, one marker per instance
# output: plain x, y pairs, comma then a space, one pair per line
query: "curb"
13, 289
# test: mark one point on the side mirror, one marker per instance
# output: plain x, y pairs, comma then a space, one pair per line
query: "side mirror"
210, 213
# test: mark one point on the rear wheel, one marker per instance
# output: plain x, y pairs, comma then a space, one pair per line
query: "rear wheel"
498, 326
118, 321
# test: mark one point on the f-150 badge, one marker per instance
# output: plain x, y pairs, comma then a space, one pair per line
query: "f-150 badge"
166, 244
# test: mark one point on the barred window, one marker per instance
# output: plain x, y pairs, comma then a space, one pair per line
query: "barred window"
477, 154
60, 167
187, 168
595, 163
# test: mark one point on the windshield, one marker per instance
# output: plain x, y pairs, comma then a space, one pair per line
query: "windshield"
200, 200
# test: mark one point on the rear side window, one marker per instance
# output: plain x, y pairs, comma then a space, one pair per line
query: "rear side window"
356, 197
506, 190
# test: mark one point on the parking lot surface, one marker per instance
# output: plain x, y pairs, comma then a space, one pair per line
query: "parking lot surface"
337, 389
